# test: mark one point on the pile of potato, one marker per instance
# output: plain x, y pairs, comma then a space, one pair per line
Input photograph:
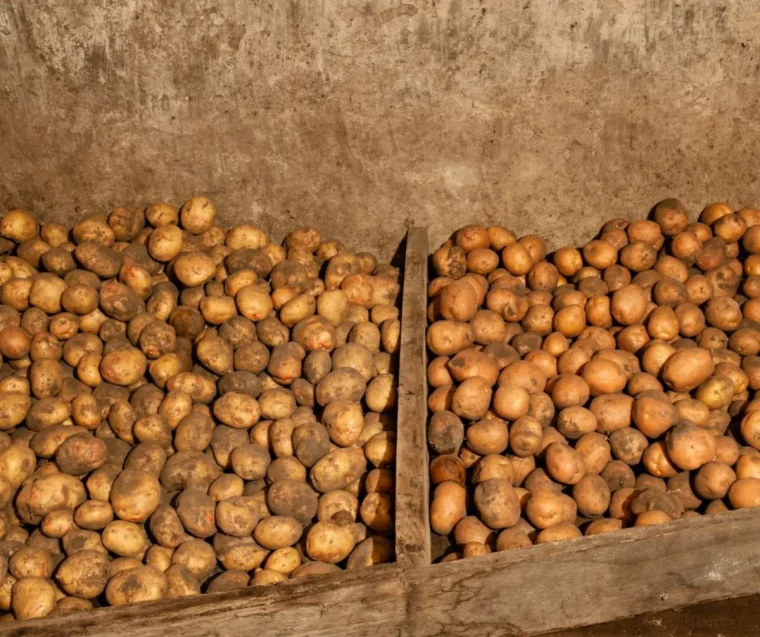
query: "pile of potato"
184, 409
593, 389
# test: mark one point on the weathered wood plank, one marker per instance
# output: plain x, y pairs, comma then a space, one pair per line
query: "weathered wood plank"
412, 525
588, 580
740, 616
351, 603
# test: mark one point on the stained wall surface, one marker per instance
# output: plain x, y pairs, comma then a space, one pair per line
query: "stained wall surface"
366, 117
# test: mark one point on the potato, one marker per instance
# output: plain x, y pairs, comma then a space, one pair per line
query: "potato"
93, 515
497, 503
649, 518
445, 338
568, 390
744, 493
628, 445
689, 446
345, 384
713, 480
32, 596
80, 454
371, 551
488, 436
687, 369
196, 511
46, 493
564, 464
592, 495
329, 542
458, 301
448, 507
135, 495
143, 583
546, 508
512, 539
629, 304
525, 436
657, 462
652, 413
18, 226
558, 532
125, 539
277, 531
30, 561
14, 407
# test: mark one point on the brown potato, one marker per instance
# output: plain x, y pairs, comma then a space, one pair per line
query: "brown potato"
276, 531
329, 542
689, 446
652, 413
135, 495
338, 469
546, 508
448, 507
713, 480
564, 463
629, 305
568, 390
525, 436
143, 583
445, 338
657, 462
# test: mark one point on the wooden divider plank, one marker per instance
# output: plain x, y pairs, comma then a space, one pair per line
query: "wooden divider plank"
412, 488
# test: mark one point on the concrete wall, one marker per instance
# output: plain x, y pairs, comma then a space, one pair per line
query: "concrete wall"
364, 118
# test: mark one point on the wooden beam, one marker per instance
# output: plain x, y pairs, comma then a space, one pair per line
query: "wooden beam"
412, 489
588, 580
354, 603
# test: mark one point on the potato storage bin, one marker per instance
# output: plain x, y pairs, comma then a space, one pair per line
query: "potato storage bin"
512, 593
185, 409
648, 568
167, 615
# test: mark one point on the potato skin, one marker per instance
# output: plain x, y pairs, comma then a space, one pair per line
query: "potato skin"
32, 597
135, 495
277, 531
46, 493
140, 584
497, 503
338, 469
329, 542
445, 338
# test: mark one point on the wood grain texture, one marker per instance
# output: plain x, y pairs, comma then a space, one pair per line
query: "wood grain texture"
588, 580
518, 593
412, 525
351, 603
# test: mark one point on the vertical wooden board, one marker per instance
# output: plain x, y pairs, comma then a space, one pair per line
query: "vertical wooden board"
589, 580
412, 524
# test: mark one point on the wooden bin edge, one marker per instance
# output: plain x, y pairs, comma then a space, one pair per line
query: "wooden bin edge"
412, 516
523, 592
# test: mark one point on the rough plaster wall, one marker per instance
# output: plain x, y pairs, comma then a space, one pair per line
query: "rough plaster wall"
364, 118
